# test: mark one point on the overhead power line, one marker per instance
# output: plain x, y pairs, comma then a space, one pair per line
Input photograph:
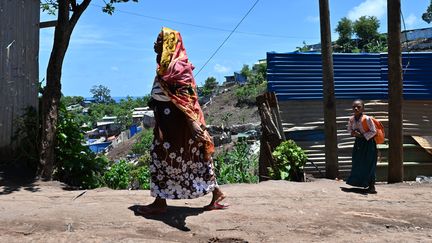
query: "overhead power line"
206, 26
226, 39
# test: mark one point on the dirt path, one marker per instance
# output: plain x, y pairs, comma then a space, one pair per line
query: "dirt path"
274, 211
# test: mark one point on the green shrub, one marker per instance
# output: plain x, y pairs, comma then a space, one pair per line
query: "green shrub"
237, 166
141, 177
289, 161
76, 164
247, 94
118, 176
144, 143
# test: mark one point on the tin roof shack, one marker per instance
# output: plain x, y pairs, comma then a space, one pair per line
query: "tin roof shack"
237, 78
296, 78
417, 39
143, 115
108, 126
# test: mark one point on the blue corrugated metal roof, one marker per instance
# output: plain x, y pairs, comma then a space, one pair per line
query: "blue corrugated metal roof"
298, 76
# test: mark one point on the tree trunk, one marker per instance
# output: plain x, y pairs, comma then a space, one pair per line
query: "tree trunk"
52, 91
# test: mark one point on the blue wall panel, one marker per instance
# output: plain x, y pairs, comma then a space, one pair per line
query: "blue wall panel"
298, 76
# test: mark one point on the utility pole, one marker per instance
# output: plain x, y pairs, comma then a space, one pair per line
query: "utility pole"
395, 93
329, 101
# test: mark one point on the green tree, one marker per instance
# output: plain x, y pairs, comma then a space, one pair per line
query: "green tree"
71, 100
143, 101
345, 30
304, 48
427, 16
210, 84
246, 71
68, 13
101, 94
366, 29
260, 72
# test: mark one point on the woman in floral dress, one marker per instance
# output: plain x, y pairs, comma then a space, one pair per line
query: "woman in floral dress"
181, 166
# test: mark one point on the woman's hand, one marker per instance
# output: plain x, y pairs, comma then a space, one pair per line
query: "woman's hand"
196, 131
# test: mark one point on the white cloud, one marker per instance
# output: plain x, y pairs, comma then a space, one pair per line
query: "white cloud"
221, 69
313, 19
410, 21
114, 68
85, 35
377, 8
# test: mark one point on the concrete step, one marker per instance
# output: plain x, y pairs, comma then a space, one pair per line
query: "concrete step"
412, 152
411, 170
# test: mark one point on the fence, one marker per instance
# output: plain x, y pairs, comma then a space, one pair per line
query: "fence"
296, 78
19, 47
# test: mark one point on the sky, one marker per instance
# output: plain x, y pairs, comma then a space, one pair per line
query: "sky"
117, 51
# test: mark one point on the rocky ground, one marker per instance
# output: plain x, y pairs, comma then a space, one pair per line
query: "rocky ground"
224, 110
273, 211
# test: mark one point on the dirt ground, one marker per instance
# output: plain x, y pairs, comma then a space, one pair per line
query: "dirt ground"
273, 211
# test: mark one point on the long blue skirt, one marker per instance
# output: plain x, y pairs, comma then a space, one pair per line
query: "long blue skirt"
364, 160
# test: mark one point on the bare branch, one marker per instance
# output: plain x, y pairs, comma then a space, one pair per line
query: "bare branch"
77, 13
74, 5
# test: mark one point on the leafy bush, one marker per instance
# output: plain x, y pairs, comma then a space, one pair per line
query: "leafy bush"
237, 166
141, 175
144, 143
118, 176
76, 164
247, 94
289, 160
124, 175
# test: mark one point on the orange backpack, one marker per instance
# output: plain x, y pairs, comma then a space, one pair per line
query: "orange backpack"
379, 137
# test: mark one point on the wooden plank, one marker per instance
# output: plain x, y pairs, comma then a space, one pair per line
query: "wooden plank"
425, 142
48, 24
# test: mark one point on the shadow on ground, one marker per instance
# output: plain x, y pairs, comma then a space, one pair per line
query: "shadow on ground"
174, 217
15, 179
355, 190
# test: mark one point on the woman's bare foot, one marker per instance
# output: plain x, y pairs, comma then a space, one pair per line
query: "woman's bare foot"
159, 206
218, 196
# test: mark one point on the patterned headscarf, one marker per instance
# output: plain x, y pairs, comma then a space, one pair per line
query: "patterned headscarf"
174, 73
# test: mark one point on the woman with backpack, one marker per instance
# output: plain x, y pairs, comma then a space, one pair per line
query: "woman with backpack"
364, 154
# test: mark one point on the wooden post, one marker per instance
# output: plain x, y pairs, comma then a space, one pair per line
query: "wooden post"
395, 89
329, 101
272, 132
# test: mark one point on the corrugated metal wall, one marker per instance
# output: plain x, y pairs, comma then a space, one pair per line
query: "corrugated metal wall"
298, 76
308, 117
297, 81
19, 50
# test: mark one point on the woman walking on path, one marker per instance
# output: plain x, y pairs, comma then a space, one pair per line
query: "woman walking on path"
364, 154
181, 165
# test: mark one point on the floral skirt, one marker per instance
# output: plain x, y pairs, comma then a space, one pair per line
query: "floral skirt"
178, 168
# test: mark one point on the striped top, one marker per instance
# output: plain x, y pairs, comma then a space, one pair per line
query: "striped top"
354, 124
157, 92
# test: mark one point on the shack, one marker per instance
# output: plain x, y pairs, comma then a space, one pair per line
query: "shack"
296, 78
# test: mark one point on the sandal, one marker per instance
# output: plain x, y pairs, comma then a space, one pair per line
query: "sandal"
216, 205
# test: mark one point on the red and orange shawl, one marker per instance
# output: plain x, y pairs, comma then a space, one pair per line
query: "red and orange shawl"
174, 73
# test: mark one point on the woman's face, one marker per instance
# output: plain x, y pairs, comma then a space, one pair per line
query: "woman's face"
158, 46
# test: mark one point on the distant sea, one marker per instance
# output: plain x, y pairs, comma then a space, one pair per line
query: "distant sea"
117, 98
